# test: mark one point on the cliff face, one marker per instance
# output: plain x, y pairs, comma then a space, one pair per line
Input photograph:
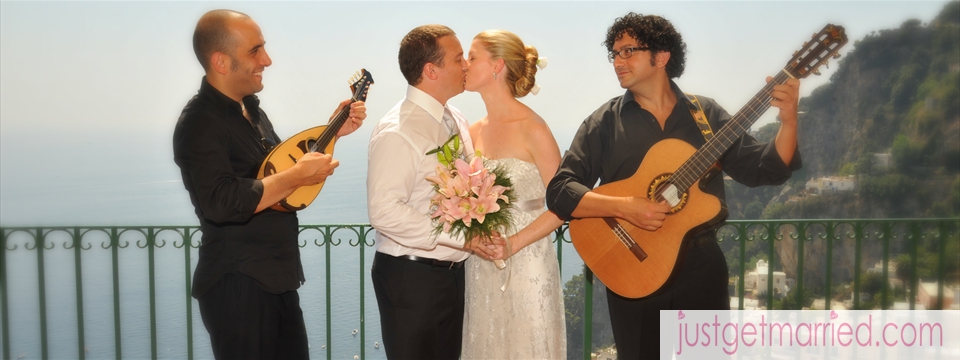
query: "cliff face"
898, 82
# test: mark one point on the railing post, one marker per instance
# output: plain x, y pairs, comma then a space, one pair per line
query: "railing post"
187, 246
42, 280
327, 240
802, 236
914, 277
884, 292
741, 293
831, 230
151, 242
587, 312
858, 241
363, 247
78, 272
941, 267
114, 248
558, 239
772, 250
4, 304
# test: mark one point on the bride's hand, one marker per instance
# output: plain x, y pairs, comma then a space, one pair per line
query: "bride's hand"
489, 248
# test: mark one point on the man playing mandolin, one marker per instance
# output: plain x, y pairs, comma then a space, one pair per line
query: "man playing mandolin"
647, 53
249, 268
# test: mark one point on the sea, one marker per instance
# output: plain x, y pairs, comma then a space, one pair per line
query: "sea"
130, 187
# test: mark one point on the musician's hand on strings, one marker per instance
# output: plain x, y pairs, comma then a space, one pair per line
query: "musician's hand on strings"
646, 214
358, 112
786, 97
315, 167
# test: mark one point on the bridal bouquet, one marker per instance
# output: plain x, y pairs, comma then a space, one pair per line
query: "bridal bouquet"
471, 199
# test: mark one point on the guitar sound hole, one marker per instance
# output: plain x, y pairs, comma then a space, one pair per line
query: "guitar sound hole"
663, 190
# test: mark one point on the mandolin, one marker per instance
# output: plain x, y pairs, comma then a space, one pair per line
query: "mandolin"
637, 263
316, 139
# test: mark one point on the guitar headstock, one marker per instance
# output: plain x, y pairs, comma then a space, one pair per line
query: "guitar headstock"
825, 44
359, 84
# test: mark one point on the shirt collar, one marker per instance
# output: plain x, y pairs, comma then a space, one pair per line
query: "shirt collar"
426, 102
628, 97
251, 102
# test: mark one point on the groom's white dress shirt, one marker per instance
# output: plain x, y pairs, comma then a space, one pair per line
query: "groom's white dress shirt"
398, 194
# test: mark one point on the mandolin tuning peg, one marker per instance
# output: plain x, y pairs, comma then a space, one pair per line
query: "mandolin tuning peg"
816, 72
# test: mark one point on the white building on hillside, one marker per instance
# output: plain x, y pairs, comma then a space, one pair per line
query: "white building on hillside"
756, 280
830, 184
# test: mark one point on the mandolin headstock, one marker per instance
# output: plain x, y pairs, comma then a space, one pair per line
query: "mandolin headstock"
359, 84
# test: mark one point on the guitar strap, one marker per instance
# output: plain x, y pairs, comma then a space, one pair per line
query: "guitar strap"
697, 111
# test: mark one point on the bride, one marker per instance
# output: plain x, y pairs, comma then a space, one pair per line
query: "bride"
524, 319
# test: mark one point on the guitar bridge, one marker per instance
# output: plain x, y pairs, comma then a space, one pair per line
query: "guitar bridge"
626, 239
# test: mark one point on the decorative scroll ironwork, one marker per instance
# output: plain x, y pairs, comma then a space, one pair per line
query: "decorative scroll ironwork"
820, 254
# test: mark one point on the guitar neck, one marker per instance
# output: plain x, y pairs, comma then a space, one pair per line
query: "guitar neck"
332, 129
707, 155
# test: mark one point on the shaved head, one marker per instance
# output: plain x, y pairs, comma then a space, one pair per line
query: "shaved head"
213, 35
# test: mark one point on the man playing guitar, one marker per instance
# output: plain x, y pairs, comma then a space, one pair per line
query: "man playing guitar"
647, 53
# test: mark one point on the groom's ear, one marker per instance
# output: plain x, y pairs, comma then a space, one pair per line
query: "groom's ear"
430, 71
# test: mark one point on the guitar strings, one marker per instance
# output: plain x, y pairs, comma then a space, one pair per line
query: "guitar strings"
691, 170
706, 156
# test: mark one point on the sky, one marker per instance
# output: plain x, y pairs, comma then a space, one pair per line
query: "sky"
90, 91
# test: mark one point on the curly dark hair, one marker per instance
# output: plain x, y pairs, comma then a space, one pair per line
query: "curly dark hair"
652, 31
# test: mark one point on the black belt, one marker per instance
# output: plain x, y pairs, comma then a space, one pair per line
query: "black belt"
429, 261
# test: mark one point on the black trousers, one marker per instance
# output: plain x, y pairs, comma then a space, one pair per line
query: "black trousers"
421, 308
701, 284
246, 322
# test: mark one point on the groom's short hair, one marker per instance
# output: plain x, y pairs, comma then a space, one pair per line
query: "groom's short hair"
419, 47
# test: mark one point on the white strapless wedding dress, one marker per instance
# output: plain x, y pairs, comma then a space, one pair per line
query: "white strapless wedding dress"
526, 321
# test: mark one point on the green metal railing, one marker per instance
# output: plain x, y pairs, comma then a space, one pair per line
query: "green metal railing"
809, 240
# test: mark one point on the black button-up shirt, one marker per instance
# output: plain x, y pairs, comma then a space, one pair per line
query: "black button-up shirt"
613, 141
219, 152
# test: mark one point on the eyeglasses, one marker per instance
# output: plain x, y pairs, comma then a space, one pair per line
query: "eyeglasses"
625, 53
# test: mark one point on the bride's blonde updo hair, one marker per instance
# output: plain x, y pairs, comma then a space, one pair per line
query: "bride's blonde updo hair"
520, 60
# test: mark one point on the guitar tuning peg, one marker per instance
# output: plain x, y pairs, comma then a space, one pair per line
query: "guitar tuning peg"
826, 63
795, 53
836, 56
816, 72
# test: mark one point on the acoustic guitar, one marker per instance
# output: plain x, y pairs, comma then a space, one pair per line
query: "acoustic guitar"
637, 263
316, 139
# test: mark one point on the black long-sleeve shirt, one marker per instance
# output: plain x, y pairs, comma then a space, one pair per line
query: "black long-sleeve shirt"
612, 142
219, 152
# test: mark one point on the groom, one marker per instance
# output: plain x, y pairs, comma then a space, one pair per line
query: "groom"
418, 276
